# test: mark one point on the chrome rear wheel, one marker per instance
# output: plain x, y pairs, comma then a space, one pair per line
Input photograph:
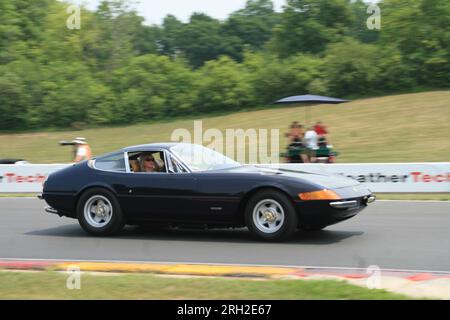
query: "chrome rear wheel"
99, 212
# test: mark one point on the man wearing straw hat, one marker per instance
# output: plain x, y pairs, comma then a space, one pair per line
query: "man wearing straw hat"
82, 150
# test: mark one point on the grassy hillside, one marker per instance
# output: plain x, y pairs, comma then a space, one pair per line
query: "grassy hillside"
402, 128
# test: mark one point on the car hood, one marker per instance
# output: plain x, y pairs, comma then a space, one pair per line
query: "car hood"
326, 180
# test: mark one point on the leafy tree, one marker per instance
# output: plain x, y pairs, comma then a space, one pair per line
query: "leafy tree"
351, 67
120, 28
70, 95
223, 85
20, 27
58, 43
171, 36
201, 40
116, 69
420, 30
147, 39
273, 78
309, 25
252, 25
13, 101
154, 86
358, 28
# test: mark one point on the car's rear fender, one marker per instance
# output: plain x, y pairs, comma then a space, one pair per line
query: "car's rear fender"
94, 186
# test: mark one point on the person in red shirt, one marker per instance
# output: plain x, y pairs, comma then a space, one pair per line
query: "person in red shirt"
320, 129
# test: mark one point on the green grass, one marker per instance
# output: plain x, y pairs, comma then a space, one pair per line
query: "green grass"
52, 285
432, 196
402, 128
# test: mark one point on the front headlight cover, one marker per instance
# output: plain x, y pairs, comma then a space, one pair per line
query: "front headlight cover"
319, 195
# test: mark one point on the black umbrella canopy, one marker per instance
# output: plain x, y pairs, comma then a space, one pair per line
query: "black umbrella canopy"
309, 98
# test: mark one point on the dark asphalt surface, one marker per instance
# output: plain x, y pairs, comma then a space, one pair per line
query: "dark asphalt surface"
394, 235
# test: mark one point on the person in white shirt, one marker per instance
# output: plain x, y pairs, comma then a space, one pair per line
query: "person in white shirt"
311, 140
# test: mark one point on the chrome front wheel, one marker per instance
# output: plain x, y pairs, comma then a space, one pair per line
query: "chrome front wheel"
268, 216
98, 211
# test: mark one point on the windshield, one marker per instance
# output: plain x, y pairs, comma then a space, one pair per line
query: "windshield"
199, 158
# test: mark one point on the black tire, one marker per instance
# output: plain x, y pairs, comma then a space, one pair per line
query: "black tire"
287, 227
116, 221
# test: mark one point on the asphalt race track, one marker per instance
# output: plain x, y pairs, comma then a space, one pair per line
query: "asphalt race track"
392, 235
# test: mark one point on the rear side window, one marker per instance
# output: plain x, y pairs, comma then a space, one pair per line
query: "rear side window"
114, 162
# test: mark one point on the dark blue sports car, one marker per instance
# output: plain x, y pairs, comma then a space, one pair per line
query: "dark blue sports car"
185, 185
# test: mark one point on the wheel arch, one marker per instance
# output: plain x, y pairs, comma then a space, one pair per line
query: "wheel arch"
93, 186
258, 189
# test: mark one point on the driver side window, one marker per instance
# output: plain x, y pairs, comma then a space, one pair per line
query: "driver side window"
147, 162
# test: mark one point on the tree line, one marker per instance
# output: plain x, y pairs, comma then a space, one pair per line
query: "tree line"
118, 70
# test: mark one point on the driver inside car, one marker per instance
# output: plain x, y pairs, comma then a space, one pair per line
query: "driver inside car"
149, 164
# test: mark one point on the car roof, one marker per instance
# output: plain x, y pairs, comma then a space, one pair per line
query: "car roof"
145, 147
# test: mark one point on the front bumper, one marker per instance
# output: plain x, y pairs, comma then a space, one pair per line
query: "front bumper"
349, 204
325, 213
344, 204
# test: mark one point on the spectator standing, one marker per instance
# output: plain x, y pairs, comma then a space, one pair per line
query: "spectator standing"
300, 155
311, 140
82, 150
296, 131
